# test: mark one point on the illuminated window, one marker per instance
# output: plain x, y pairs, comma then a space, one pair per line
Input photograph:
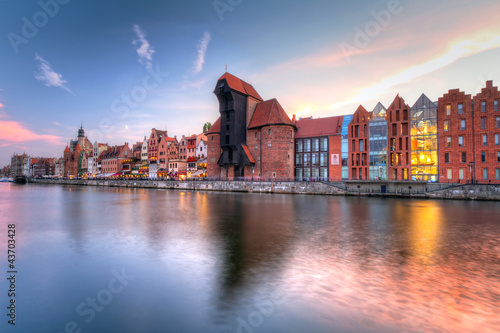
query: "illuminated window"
448, 110
448, 141
449, 174
446, 125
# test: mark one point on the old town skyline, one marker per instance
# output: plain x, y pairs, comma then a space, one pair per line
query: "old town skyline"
114, 78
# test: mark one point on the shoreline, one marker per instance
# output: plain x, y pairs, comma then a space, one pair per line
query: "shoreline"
384, 189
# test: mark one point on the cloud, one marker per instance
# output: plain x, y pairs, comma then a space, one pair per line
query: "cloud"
12, 132
47, 75
144, 49
202, 47
1, 105
460, 50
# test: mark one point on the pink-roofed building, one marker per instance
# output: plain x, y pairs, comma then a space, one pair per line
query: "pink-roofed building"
114, 159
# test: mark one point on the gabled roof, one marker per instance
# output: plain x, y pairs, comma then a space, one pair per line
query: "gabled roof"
364, 115
309, 127
398, 103
269, 113
66, 150
240, 85
215, 129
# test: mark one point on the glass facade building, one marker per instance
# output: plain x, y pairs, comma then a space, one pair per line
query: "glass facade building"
311, 159
345, 146
378, 143
424, 140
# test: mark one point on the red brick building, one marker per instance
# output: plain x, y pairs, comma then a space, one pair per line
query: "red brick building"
486, 130
455, 136
153, 141
255, 137
398, 118
358, 144
116, 159
318, 148
469, 130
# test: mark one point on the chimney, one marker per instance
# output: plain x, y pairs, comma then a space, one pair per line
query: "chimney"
293, 119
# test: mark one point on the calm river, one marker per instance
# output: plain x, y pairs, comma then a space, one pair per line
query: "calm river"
94, 259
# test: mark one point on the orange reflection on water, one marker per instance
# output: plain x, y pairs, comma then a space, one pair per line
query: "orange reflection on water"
425, 230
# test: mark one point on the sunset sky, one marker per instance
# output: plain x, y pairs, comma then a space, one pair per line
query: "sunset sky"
124, 67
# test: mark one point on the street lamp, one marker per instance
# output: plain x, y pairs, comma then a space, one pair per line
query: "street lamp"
471, 164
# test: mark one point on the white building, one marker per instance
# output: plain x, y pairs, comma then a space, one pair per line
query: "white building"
201, 149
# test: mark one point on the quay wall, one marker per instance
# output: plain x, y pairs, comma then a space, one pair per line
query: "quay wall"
405, 189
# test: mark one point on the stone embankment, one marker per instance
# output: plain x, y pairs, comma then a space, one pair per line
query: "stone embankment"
405, 189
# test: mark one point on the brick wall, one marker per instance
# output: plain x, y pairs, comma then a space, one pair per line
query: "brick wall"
277, 151
213, 154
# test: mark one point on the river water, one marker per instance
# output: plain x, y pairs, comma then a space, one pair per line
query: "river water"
94, 259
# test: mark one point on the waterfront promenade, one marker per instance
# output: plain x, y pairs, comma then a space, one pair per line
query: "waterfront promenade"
405, 189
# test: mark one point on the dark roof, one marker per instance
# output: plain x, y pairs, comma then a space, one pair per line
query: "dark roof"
309, 127
240, 86
269, 113
215, 128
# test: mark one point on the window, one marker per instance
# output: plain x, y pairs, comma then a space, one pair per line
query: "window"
448, 141
460, 108
460, 173
483, 106
269, 145
361, 145
449, 174
498, 122
483, 123
298, 146
307, 160
496, 104
315, 144
485, 174
446, 125
323, 159
496, 140
448, 110
307, 145
483, 156
462, 124
498, 156
274, 174
323, 144
485, 140
460, 141
446, 157
353, 145
269, 132
464, 157
315, 159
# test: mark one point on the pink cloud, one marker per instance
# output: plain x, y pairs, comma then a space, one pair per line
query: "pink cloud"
14, 132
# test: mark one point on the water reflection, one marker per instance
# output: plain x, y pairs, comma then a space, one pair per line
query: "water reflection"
208, 261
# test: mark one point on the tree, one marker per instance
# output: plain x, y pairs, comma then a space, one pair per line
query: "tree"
206, 127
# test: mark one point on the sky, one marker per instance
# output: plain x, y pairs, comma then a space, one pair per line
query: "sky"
123, 67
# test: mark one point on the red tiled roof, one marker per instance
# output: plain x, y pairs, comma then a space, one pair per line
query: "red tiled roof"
66, 150
269, 113
309, 127
248, 154
215, 129
240, 85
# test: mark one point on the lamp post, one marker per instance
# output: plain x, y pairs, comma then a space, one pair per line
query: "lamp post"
471, 164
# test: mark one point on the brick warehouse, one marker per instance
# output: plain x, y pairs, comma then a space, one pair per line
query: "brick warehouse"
252, 137
358, 144
318, 148
469, 130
